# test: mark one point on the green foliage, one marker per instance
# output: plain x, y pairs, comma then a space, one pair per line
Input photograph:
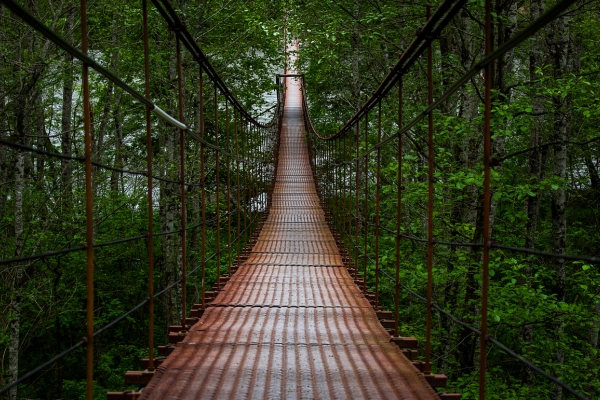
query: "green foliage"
527, 311
243, 42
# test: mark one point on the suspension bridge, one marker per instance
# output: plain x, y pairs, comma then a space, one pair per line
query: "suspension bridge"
294, 315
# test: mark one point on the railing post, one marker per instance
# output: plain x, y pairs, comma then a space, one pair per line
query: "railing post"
149, 194
255, 174
377, 193
237, 169
182, 188
398, 214
357, 188
89, 210
328, 171
218, 208
487, 155
228, 187
366, 205
245, 176
427, 365
336, 181
348, 182
203, 191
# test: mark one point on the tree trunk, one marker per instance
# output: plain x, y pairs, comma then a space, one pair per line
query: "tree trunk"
42, 137
6, 164
15, 306
116, 177
356, 57
537, 158
593, 171
593, 345
559, 39
67, 106
170, 207
469, 155
16, 298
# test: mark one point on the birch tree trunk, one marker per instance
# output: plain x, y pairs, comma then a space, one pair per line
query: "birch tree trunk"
5, 162
356, 56
537, 156
468, 154
116, 177
67, 107
15, 305
170, 210
559, 39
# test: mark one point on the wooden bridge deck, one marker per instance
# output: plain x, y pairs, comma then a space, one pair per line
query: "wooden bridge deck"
290, 323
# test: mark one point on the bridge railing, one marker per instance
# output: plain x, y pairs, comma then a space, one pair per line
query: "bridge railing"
225, 166
348, 163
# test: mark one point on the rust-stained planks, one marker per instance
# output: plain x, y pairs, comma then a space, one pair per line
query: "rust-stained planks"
290, 323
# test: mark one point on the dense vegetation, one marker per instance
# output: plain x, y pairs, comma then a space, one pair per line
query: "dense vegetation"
544, 180
42, 199
546, 184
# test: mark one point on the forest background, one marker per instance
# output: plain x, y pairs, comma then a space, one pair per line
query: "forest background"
546, 184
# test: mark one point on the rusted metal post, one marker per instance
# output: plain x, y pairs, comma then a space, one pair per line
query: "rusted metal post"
377, 194
263, 165
325, 162
366, 205
487, 155
254, 157
338, 177
89, 210
149, 195
237, 169
249, 180
202, 192
325, 174
349, 195
252, 174
263, 171
331, 170
427, 366
356, 214
217, 179
398, 215
336, 181
245, 176
333, 184
228, 187
182, 188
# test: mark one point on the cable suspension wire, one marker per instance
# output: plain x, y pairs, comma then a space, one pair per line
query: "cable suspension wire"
127, 171
593, 260
89, 61
48, 254
523, 35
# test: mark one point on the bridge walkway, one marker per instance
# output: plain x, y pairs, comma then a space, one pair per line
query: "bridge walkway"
291, 322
